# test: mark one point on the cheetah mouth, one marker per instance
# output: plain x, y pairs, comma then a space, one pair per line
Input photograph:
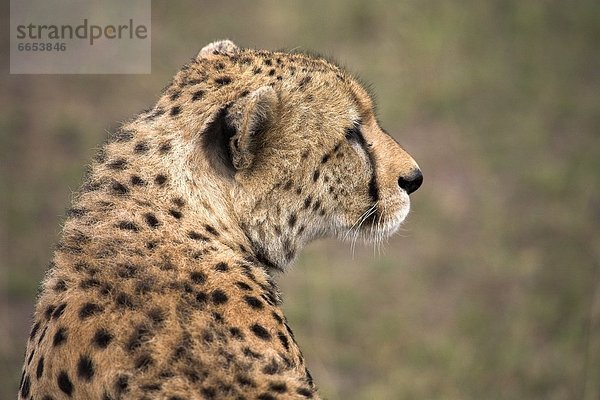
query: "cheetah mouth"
380, 221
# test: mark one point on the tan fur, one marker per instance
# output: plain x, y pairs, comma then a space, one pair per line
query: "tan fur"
161, 285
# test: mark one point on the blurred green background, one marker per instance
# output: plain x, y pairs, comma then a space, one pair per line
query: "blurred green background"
492, 288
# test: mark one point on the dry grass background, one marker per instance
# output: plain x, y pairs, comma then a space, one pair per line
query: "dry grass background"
492, 289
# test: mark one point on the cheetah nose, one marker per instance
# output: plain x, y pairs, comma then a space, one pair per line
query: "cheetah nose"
412, 181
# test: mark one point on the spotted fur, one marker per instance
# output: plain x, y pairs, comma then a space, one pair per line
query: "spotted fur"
161, 284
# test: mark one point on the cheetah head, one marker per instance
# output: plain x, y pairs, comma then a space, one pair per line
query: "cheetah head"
299, 150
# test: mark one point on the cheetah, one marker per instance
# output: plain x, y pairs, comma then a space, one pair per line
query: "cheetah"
161, 284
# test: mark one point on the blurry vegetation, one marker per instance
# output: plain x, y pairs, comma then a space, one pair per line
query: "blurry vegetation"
492, 289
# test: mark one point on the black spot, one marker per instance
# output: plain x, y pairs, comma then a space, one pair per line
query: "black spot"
31, 356
60, 286
64, 383
160, 179
144, 285
209, 392
22, 378
34, 330
121, 384
265, 396
278, 387
128, 226
151, 220
122, 135
43, 335
304, 81
317, 205
284, 340
254, 302
165, 147
58, 311
137, 181
157, 316
175, 214
144, 361
76, 212
222, 267
198, 277
25, 387
127, 271
245, 380
219, 297
287, 185
325, 158
100, 156
60, 336
85, 368
305, 392
166, 265
289, 251
260, 332
92, 185
89, 309
277, 317
249, 353
178, 201
236, 333
157, 113
89, 283
307, 202
211, 230
257, 70
271, 368
140, 335
118, 164
243, 285
223, 80
218, 317
292, 220
272, 72
175, 110
124, 300
40, 368
316, 175
153, 387
196, 236
309, 377
102, 338
119, 188
197, 95
175, 95
141, 147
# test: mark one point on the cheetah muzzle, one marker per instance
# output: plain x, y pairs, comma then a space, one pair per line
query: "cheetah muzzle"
161, 283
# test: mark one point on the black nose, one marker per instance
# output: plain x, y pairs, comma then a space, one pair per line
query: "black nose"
412, 181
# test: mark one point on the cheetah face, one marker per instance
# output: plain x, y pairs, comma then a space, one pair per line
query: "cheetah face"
305, 155
327, 163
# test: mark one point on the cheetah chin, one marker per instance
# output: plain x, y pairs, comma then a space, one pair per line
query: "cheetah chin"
161, 285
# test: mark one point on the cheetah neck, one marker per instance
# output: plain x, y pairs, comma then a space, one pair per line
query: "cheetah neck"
141, 195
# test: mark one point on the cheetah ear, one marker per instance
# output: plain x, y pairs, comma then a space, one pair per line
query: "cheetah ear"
249, 116
226, 47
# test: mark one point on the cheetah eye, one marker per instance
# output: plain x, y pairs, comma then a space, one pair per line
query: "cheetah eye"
353, 134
